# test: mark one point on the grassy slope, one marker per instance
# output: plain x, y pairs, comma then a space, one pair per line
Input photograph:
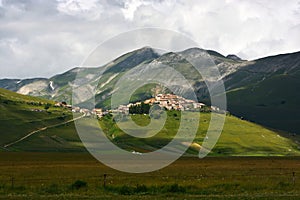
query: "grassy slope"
239, 137
17, 118
273, 102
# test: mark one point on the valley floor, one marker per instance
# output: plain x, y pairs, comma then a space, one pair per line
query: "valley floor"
79, 176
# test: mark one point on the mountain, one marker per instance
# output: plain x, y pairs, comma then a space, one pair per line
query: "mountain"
265, 90
233, 57
26, 125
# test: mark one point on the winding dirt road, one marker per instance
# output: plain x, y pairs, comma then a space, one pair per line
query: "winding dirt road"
41, 129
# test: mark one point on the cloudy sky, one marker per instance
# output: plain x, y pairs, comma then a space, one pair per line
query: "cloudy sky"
42, 38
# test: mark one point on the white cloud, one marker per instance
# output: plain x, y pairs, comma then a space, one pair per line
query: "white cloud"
88, 9
130, 6
230, 27
43, 38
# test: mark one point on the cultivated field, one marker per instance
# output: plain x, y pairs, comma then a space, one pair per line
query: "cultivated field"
79, 176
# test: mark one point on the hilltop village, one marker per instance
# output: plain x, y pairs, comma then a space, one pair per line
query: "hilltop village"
166, 101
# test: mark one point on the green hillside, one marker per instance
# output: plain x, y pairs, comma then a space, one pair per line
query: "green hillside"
20, 114
267, 92
276, 107
239, 137
18, 117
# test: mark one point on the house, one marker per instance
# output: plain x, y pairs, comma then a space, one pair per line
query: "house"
214, 108
76, 109
63, 104
123, 109
150, 101
58, 104
85, 111
97, 111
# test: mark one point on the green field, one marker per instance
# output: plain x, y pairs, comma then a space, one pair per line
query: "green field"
54, 176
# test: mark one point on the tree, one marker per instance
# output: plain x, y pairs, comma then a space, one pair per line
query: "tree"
139, 109
47, 106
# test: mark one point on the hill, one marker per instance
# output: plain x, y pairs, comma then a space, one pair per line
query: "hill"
22, 114
267, 92
238, 138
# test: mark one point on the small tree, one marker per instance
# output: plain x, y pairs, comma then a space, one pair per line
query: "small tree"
47, 106
139, 109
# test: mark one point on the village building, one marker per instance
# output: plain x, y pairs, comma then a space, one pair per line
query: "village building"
76, 109
123, 109
174, 102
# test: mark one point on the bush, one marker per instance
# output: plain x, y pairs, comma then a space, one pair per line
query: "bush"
125, 190
63, 117
79, 184
140, 189
175, 188
51, 189
139, 109
6, 101
47, 106
282, 184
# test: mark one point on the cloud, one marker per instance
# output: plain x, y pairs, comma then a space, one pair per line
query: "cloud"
90, 10
43, 38
130, 6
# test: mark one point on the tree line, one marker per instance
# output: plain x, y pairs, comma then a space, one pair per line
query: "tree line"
139, 109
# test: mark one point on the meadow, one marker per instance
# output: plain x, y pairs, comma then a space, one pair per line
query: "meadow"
238, 138
79, 176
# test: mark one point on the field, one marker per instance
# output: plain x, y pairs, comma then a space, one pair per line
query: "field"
79, 176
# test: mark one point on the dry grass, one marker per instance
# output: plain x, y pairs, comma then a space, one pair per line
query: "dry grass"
51, 175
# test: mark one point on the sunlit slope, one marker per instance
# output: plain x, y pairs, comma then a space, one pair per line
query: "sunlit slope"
238, 138
20, 114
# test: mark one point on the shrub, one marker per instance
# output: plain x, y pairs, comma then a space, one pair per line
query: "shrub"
51, 189
282, 184
79, 184
47, 106
175, 188
125, 190
141, 189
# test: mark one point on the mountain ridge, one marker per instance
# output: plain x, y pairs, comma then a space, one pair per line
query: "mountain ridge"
246, 82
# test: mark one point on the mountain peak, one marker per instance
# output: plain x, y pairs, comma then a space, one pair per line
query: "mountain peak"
144, 49
197, 51
233, 57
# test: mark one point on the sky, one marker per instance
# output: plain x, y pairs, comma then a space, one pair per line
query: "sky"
41, 38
